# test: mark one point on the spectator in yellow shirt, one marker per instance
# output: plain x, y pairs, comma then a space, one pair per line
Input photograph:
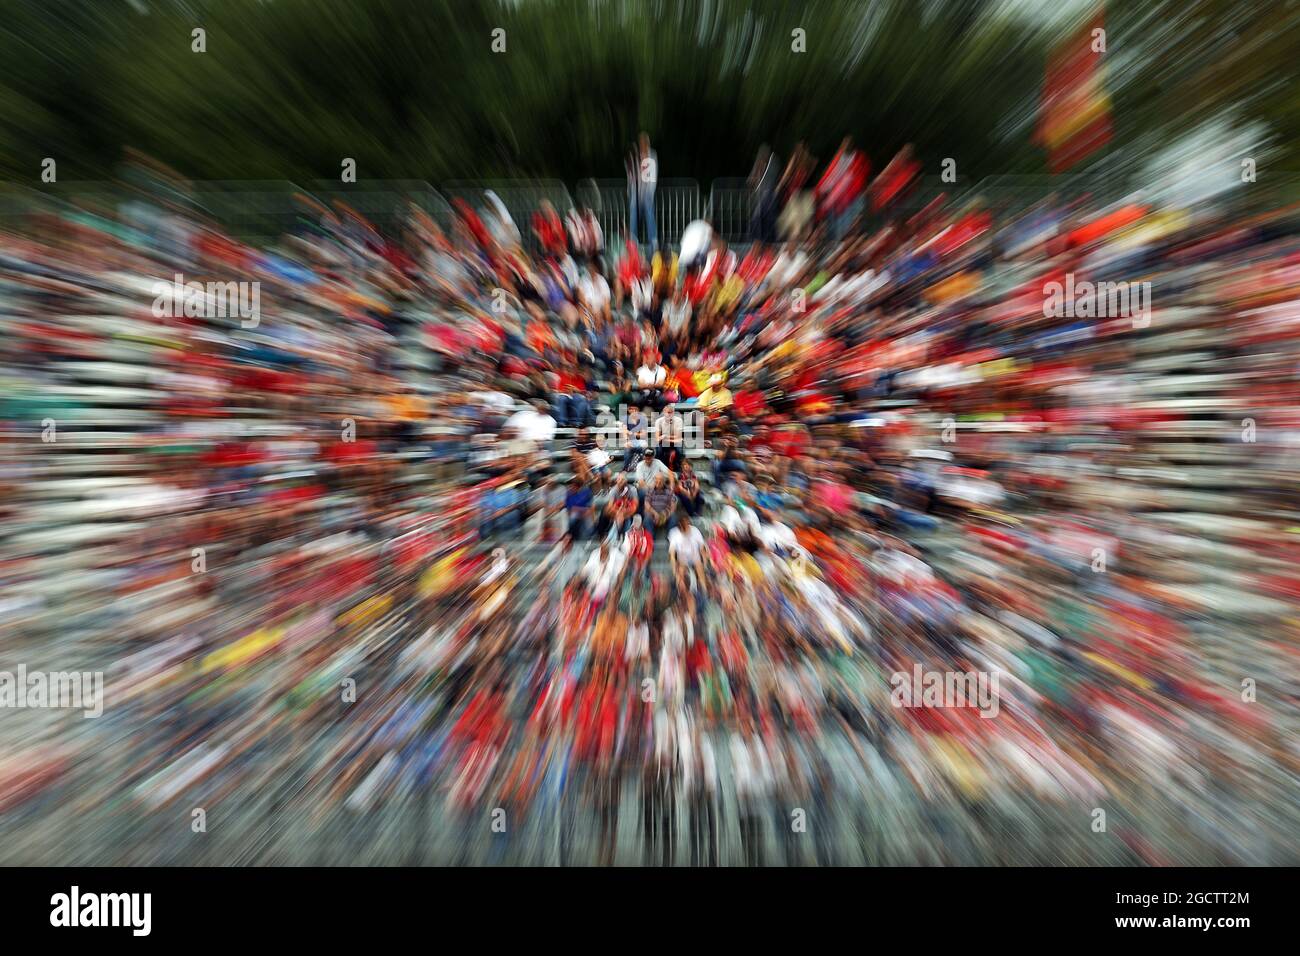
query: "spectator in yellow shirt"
663, 274
715, 398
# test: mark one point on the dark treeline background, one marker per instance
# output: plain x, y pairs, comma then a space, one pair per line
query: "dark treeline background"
411, 88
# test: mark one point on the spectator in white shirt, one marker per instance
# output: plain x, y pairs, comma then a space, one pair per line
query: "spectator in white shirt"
778, 537
650, 378
685, 544
648, 469
593, 291
638, 641
598, 457
603, 568
677, 313
741, 524
534, 424
668, 437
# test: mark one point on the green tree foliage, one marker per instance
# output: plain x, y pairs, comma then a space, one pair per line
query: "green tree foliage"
411, 88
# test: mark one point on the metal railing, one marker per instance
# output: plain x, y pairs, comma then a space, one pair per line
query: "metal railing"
677, 203
731, 208
19, 202
253, 210
607, 199
264, 210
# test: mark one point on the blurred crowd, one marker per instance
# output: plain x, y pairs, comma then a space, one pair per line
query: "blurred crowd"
512, 542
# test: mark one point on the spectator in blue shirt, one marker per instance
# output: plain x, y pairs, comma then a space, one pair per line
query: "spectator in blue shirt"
578, 503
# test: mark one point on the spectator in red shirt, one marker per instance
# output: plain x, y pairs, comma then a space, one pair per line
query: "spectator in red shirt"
839, 193
474, 224
549, 230
572, 409
748, 402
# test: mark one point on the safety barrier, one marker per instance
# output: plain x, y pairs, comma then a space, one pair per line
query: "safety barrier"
607, 199
253, 210
263, 210
731, 207
19, 202
677, 203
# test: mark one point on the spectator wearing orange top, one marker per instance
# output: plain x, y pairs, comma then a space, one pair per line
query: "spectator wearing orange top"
539, 336
679, 385
683, 379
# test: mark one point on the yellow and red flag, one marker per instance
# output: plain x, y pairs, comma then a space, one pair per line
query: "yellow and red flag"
1074, 119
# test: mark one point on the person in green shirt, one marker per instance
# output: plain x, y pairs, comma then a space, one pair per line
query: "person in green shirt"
615, 394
